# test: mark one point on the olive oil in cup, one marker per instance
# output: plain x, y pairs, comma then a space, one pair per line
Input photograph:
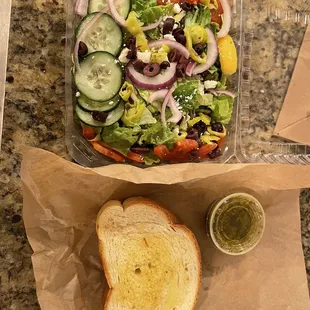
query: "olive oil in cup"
235, 223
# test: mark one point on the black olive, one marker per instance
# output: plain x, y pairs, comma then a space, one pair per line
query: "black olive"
139, 149
132, 53
193, 155
217, 126
180, 71
181, 38
100, 116
201, 127
138, 64
199, 48
174, 56
215, 153
130, 42
83, 49
164, 65
168, 25
177, 31
151, 69
185, 6
193, 134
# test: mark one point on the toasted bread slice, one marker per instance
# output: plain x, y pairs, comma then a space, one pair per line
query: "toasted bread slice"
151, 262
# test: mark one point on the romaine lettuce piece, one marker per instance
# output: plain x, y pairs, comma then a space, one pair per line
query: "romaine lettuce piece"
222, 107
158, 134
140, 5
120, 138
200, 16
152, 14
137, 114
186, 95
150, 159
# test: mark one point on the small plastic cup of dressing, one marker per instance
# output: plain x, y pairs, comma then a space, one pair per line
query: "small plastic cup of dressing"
235, 223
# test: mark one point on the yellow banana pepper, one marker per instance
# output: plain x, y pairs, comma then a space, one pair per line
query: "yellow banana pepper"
228, 55
189, 45
133, 25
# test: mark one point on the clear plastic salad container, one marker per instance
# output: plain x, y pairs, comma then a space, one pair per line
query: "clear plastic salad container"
82, 151
273, 33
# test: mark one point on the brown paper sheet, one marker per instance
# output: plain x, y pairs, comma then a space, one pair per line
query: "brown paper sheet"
294, 119
61, 201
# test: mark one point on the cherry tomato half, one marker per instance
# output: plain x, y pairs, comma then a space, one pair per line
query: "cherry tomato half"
88, 133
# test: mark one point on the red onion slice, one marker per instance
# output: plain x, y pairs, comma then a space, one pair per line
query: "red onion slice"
164, 105
224, 92
211, 56
78, 39
158, 95
177, 114
133, 96
172, 44
226, 19
160, 81
152, 26
190, 67
81, 7
118, 18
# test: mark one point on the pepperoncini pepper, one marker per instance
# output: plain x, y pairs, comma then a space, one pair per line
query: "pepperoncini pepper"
126, 91
189, 45
134, 27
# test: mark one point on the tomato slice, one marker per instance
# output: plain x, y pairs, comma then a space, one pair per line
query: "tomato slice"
107, 152
162, 152
216, 15
135, 157
185, 146
182, 149
204, 151
180, 152
88, 133
193, 1
221, 143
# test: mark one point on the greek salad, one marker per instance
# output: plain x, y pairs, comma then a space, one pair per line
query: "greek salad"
151, 78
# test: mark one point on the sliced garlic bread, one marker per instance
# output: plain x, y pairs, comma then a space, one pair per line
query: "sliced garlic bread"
151, 262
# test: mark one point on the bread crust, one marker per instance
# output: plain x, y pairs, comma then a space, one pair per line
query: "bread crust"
171, 220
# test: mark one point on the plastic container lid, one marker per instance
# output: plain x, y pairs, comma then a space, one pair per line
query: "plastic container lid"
273, 34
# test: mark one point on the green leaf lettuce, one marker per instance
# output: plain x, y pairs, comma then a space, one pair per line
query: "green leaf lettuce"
120, 138
222, 107
158, 134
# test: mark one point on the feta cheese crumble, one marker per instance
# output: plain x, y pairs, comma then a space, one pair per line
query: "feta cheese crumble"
144, 56
123, 56
176, 8
210, 84
169, 37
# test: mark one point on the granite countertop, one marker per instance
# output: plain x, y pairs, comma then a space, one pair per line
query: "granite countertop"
34, 115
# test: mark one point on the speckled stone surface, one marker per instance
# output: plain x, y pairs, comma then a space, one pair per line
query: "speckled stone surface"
34, 115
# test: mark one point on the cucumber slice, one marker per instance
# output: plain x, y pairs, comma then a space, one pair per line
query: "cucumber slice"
82, 24
123, 6
113, 117
104, 35
91, 105
100, 77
